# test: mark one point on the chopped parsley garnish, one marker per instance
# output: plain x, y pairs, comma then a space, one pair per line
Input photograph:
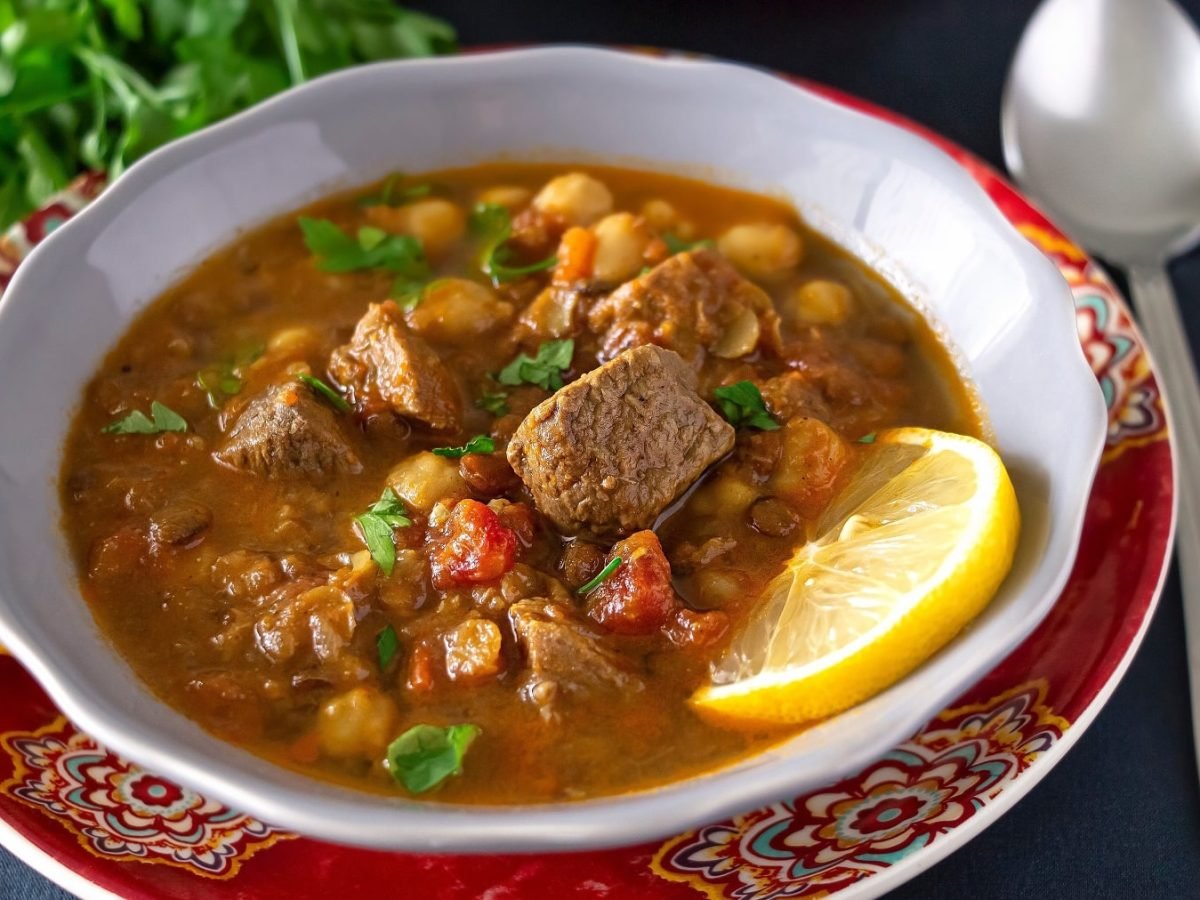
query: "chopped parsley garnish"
602, 576
545, 370
224, 379
371, 248
161, 418
426, 755
407, 292
493, 224
481, 443
377, 523
867, 438
677, 244
742, 404
387, 643
496, 403
391, 194
323, 390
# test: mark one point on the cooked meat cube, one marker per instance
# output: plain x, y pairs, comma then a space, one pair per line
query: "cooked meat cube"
690, 303
610, 451
638, 597
563, 655
298, 618
179, 523
287, 431
385, 366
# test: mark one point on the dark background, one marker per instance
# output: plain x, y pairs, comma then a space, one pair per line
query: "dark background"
1120, 815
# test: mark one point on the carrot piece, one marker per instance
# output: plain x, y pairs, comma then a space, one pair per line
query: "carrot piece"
576, 251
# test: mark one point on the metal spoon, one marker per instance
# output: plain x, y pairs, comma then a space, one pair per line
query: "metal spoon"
1101, 122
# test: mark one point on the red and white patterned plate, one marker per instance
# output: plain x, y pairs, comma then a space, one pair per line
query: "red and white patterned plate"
101, 827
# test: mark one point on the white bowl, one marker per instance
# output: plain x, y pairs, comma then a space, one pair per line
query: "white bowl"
888, 196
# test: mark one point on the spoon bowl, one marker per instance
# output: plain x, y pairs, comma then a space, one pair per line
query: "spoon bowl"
1101, 122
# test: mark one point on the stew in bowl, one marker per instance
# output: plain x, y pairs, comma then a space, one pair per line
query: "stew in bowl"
497, 459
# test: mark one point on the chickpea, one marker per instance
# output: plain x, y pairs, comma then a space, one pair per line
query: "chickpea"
762, 250
358, 723
661, 216
293, 341
621, 239
818, 302
507, 195
577, 198
423, 479
437, 223
457, 310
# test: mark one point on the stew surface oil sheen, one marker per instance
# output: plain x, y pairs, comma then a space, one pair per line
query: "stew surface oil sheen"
269, 464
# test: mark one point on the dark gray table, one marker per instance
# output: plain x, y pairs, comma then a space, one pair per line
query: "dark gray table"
1121, 814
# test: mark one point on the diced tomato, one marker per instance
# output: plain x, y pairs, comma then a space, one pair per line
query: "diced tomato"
637, 598
474, 546
517, 517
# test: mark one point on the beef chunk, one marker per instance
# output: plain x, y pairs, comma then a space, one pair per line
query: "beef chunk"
386, 367
690, 303
287, 431
610, 451
562, 654
180, 522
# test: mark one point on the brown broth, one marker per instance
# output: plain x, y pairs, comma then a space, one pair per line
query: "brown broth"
168, 619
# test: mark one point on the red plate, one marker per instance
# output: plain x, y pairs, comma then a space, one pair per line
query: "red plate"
97, 824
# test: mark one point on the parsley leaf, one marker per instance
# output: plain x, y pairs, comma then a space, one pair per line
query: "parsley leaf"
495, 403
742, 404
481, 443
371, 248
868, 438
493, 223
321, 389
679, 245
225, 378
161, 418
387, 644
545, 370
95, 84
377, 523
426, 755
602, 576
391, 195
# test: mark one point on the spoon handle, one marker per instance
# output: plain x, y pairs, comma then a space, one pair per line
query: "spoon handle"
1160, 319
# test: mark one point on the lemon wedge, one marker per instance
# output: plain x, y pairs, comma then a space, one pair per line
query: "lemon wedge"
910, 552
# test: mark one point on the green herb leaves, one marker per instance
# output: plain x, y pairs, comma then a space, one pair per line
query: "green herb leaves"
602, 576
224, 379
377, 523
868, 438
94, 84
545, 370
481, 443
679, 245
426, 755
321, 389
742, 405
371, 248
161, 418
493, 224
495, 403
387, 645
393, 195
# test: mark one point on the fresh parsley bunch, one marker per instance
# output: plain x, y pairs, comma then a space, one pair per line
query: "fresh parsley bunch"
94, 84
